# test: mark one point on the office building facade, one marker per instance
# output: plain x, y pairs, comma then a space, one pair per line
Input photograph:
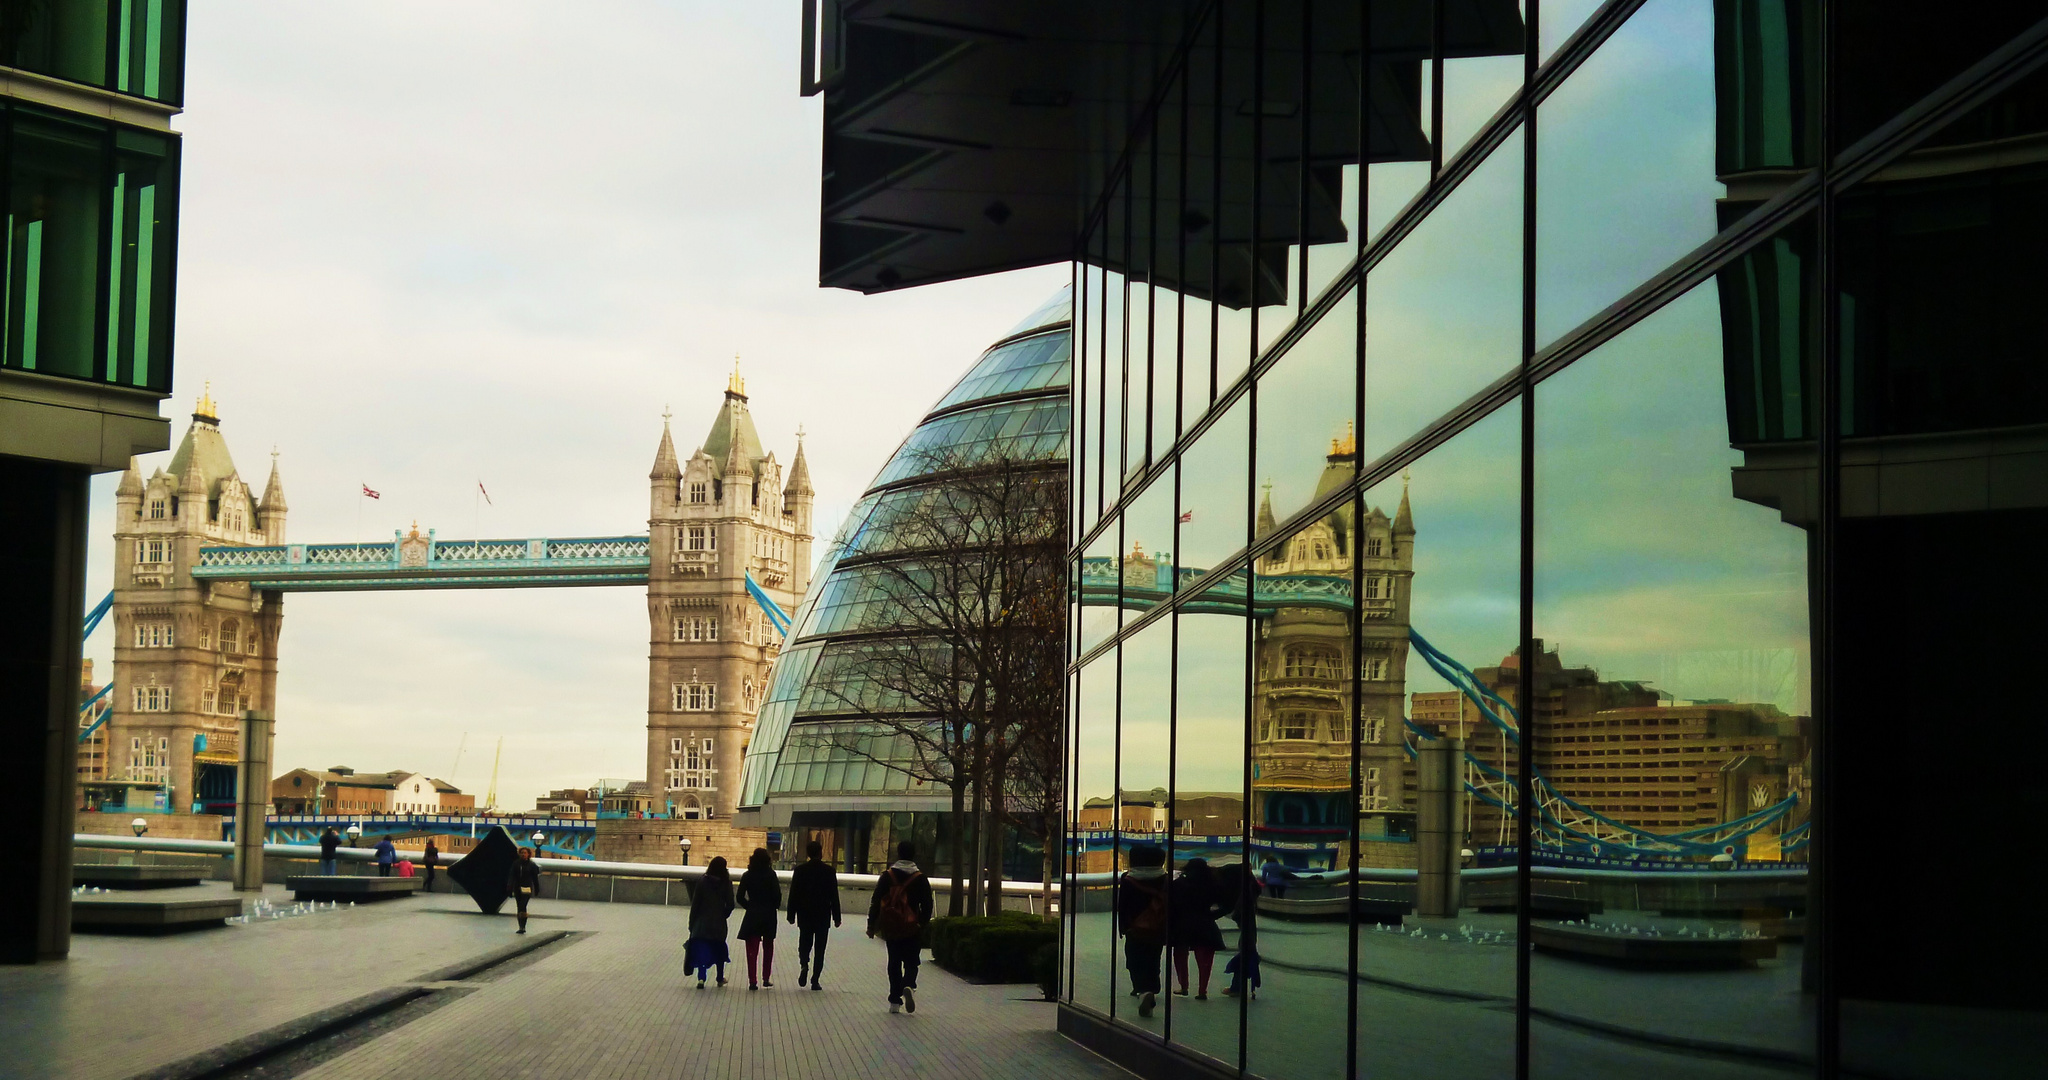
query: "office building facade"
1693, 338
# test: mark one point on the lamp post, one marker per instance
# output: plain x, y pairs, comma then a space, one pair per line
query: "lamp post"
354, 833
140, 826
681, 842
538, 836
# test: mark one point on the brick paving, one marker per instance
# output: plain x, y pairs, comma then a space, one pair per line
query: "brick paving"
610, 1002
615, 1003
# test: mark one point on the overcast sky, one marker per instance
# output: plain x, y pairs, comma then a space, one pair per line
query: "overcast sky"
427, 245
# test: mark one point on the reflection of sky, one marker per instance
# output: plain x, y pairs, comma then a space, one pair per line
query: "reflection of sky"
1647, 566
1146, 747
1306, 400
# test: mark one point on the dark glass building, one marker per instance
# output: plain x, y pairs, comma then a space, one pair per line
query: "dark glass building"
1558, 492
89, 176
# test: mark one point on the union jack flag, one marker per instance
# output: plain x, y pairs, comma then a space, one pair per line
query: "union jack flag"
368, 494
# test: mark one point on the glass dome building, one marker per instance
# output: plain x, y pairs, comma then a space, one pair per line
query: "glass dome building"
814, 767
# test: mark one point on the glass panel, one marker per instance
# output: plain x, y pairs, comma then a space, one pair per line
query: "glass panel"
1144, 758
1147, 564
1138, 381
1476, 86
1398, 100
1169, 275
1944, 401
1307, 402
1030, 364
1101, 584
1238, 271
1444, 308
1213, 492
1625, 166
1208, 823
1087, 396
145, 214
1561, 19
1886, 56
1301, 810
1440, 563
55, 245
1673, 676
1091, 909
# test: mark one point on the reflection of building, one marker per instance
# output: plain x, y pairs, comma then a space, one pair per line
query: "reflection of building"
717, 520
815, 766
189, 656
1303, 665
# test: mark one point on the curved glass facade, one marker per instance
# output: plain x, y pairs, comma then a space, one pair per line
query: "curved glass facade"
810, 760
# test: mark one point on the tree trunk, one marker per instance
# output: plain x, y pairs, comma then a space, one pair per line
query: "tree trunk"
953, 897
974, 861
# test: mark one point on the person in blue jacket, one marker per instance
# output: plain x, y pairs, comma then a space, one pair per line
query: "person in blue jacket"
386, 855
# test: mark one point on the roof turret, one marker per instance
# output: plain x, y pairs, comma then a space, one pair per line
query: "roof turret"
1404, 522
665, 466
1266, 522
131, 481
799, 470
272, 501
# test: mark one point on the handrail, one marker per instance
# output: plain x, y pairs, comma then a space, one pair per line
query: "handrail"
670, 871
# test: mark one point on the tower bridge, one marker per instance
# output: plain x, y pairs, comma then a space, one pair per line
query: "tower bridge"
416, 561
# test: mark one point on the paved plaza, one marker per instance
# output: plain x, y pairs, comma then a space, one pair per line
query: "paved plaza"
610, 1000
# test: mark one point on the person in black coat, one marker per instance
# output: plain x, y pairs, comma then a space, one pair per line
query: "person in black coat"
523, 883
711, 905
760, 894
813, 899
898, 913
1197, 903
330, 841
430, 857
1141, 918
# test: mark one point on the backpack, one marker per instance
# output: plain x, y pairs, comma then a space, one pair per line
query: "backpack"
1150, 924
895, 919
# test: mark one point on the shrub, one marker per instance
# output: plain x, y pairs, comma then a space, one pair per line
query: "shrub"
997, 948
1045, 966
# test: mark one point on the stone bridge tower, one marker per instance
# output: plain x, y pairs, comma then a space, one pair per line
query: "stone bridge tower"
189, 656
726, 511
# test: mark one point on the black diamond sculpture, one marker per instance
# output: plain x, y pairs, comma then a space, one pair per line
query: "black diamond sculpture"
485, 870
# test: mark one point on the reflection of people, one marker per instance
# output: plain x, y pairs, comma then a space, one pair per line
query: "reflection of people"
814, 908
523, 882
1142, 919
1243, 968
759, 894
1275, 877
1194, 910
710, 906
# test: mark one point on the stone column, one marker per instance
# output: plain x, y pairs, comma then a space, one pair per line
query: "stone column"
252, 799
42, 592
1439, 825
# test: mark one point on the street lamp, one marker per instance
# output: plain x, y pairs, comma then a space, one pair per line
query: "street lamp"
140, 826
354, 833
681, 842
538, 836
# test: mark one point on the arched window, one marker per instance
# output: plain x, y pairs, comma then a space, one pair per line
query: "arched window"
230, 637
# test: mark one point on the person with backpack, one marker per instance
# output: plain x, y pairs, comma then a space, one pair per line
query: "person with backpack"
813, 898
897, 914
330, 841
759, 895
1141, 908
711, 904
1195, 907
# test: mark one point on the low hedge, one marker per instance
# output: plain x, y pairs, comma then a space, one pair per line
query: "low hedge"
997, 949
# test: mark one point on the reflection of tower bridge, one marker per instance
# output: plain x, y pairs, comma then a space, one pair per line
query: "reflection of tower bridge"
1562, 824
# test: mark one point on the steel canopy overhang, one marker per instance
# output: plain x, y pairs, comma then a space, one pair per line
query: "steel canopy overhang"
969, 139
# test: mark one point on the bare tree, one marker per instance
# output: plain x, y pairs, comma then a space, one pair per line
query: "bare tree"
955, 680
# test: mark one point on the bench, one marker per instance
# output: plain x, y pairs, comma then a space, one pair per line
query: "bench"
111, 876
361, 889
117, 914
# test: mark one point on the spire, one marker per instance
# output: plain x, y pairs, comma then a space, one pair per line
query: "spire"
1404, 522
799, 470
736, 463
1266, 522
131, 481
272, 501
665, 467
205, 409
736, 386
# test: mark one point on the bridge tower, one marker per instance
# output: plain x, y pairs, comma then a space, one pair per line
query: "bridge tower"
189, 655
725, 512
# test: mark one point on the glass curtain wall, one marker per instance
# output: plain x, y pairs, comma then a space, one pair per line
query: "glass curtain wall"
1481, 654
127, 46
92, 246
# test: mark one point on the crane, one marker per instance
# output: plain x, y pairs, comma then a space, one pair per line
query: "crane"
491, 795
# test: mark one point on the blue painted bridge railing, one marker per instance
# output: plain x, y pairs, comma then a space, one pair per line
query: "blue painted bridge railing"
416, 561
572, 838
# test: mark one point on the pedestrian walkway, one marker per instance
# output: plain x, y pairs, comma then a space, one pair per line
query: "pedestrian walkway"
610, 1001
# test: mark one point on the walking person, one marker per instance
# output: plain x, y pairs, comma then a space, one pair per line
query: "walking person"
330, 841
813, 899
1195, 906
760, 894
386, 855
523, 883
1141, 917
898, 914
1243, 890
711, 904
432, 853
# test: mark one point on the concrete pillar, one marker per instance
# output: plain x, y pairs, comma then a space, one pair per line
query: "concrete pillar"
252, 799
42, 593
1439, 825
